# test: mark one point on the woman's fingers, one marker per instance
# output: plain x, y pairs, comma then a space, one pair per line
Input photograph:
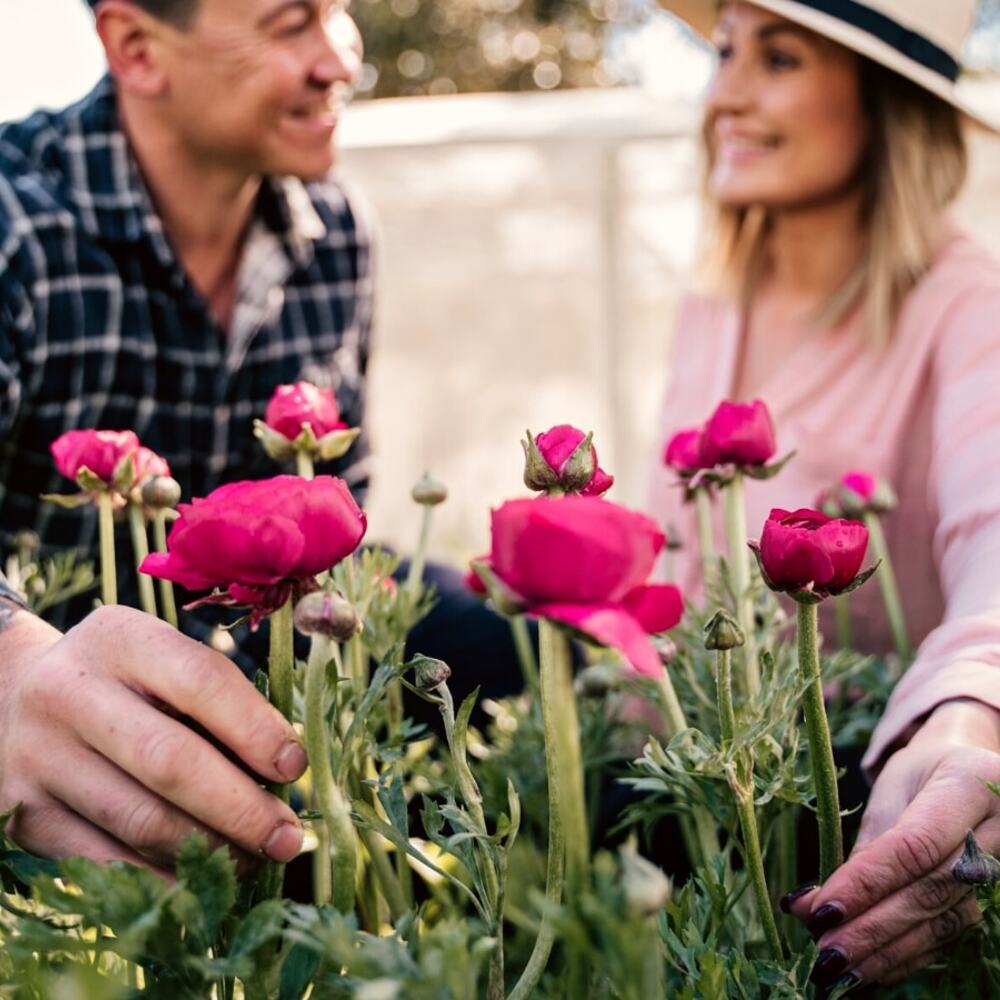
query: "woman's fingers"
109, 799
47, 827
179, 766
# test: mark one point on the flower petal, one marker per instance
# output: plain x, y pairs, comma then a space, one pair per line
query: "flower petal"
657, 607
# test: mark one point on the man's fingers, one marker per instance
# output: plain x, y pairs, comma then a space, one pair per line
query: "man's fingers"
179, 766
105, 796
50, 829
198, 682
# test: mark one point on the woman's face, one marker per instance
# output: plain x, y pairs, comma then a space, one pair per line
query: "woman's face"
784, 117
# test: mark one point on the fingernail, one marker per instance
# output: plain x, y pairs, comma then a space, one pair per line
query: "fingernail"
828, 916
284, 843
793, 895
829, 966
292, 760
847, 982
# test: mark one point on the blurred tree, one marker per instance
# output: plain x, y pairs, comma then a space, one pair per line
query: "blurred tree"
460, 46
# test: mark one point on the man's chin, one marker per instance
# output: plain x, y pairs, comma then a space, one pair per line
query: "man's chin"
312, 168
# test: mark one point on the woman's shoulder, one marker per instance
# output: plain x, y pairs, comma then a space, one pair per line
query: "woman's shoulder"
963, 268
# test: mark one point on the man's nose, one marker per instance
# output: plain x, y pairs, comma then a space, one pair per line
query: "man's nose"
340, 58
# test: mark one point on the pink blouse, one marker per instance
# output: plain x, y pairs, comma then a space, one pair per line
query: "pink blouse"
924, 413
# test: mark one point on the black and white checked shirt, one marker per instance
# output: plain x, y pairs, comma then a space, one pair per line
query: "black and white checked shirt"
100, 327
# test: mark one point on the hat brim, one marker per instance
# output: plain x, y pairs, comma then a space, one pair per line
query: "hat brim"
701, 16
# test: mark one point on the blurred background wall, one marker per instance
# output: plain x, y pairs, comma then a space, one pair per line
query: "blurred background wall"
534, 240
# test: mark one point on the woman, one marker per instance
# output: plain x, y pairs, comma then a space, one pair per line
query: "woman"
843, 297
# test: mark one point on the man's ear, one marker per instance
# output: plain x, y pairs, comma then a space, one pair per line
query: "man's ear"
131, 39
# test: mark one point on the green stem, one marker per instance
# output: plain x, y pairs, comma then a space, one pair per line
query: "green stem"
831, 844
140, 549
556, 863
890, 590
525, 652
787, 862
697, 828
752, 856
280, 687
739, 569
332, 803
109, 573
167, 601
741, 782
706, 539
304, 464
416, 572
842, 618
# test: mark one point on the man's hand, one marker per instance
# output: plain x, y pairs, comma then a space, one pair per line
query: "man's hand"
93, 746
894, 905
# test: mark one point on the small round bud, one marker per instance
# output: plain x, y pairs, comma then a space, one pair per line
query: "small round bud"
161, 492
27, 543
429, 492
975, 866
222, 641
597, 680
646, 888
327, 614
723, 631
429, 674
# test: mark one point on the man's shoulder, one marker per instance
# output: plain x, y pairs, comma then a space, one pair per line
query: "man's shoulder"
35, 174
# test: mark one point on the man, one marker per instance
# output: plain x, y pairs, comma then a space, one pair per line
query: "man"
171, 249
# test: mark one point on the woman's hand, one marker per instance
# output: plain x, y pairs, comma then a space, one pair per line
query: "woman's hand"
894, 905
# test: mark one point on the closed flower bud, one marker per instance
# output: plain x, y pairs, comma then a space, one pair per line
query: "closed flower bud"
161, 492
564, 460
429, 674
429, 492
975, 866
722, 631
597, 680
647, 889
327, 614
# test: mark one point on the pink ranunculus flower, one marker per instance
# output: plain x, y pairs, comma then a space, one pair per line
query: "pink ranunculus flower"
99, 451
683, 450
856, 494
260, 543
807, 551
556, 448
738, 434
293, 406
584, 562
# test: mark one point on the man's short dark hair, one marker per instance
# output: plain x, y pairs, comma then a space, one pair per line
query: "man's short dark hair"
176, 12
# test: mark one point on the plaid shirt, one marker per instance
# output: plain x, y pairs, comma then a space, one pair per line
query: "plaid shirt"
100, 327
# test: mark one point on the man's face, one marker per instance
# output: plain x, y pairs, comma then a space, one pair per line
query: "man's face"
258, 85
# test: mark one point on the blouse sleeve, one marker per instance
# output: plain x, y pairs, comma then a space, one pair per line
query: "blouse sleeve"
961, 657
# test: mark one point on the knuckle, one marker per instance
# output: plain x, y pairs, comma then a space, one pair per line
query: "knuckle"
881, 963
917, 853
946, 926
199, 676
146, 826
935, 891
160, 758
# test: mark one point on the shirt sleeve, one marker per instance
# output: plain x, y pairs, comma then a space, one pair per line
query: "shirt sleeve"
961, 657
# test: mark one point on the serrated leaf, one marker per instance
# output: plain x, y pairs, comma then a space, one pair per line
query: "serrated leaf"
392, 795
261, 925
211, 877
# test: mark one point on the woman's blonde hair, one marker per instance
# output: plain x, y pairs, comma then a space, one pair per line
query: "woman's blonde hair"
915, 166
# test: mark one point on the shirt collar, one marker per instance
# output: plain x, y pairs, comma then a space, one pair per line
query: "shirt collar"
114, 203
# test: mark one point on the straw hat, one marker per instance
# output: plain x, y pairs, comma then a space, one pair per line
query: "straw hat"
921, 40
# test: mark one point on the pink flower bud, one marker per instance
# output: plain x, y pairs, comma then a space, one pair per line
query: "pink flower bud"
807, 551
99, 451
683, 451
738, 434
293, 406
562, 458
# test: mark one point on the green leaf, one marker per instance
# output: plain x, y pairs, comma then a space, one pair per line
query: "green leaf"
211, 877
297, 972
261, 925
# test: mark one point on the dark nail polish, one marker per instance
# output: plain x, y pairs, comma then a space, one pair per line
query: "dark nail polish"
830, 965
827, 917
794, 894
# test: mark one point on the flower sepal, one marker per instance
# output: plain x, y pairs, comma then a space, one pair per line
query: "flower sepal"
721, 475
505, 600
331, 446
277, 446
